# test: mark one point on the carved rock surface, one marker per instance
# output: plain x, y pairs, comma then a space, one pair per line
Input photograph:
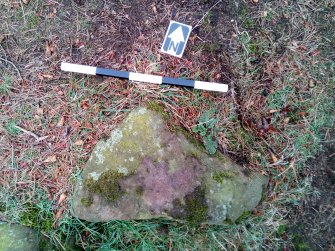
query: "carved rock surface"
144, 170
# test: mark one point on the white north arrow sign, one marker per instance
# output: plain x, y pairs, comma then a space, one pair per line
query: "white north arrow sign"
175, 38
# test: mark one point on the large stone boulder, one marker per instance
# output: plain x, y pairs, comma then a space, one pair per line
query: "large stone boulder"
146, 170
18, 238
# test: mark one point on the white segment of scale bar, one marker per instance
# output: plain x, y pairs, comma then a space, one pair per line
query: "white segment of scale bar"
145, 78
85, 69
209, 86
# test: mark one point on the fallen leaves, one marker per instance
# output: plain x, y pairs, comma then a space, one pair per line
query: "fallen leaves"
60, 122
62, 198
286, 120
39, 112
45, 76
154, 8
257, 212
85, 105
273, 111
274, 158
50, 49
79, 142
50, 159
59, 213
87, 125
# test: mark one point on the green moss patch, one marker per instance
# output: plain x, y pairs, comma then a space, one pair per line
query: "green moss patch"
86, 201
35, 216
156, 107
196, 206
107, 186
220, 176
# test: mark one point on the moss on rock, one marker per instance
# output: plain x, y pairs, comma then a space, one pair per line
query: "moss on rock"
147, 170
107, 186
88, 201
220, 175
196, 206
156, 107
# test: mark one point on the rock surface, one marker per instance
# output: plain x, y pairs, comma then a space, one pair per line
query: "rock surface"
18, 238
145, 171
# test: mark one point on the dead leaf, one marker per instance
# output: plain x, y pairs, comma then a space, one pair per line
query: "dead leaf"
85, 105
25, 1
193, 38
2, 38
154, 9
273, 111
110, 55
53, 13
50, 159
257, 212
39, 111
47, 49
49, 76
265, 124
79, 142
96, 110
59, 213
274, 158
311, 83
61, 122
50, 49
62, 198
286, 120
87, 125
141, 37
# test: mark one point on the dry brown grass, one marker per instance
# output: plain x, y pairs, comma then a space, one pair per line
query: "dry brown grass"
268, 121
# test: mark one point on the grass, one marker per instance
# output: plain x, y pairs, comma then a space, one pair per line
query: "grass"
6, 85
273, 119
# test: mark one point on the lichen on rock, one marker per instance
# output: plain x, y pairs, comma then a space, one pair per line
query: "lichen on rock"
145, 171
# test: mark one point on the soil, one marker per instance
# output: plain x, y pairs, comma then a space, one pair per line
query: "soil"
125, 35
313, 223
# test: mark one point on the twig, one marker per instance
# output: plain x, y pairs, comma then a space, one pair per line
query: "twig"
3, 51
7, 61
205, 15
12, 156
23, 14
214, 237
38, 139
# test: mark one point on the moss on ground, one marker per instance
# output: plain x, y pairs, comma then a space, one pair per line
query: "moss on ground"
244, 216
33, 216
156, 107
300, 244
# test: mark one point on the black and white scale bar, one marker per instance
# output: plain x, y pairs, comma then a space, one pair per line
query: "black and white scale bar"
154, 79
